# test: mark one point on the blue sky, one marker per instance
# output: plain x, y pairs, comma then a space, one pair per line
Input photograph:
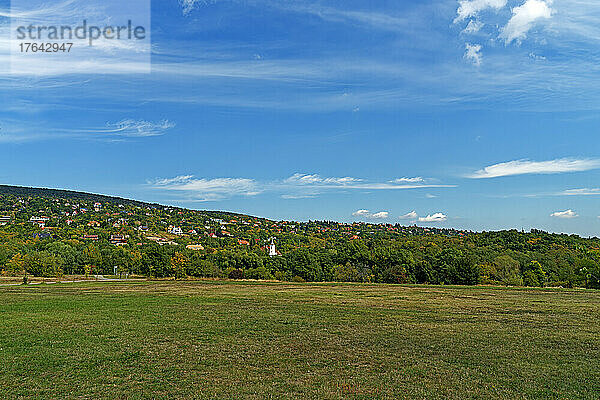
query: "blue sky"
478, 114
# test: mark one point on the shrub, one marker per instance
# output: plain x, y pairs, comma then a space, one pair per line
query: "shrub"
258, 273
395, 274
346, 273
235, 273
282, 276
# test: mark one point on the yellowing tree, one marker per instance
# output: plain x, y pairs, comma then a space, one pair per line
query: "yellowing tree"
16, 265
178, 263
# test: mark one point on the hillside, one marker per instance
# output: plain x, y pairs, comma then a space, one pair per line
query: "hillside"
48, 232
22, 191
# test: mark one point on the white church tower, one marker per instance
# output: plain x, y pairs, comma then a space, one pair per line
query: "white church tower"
272, 249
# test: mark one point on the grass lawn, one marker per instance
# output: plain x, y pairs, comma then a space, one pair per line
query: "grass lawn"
277, 340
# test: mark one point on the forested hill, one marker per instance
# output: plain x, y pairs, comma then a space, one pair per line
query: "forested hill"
21, 191
51, 232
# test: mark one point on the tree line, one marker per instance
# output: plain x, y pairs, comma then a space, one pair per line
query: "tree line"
504, 258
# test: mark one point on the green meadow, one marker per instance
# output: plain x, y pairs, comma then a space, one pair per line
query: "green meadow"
208, 339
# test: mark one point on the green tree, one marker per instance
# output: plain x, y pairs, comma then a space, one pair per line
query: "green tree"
43, 264
507, 271
534, 275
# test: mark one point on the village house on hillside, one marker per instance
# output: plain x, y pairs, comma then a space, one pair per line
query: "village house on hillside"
118, 240
175, 230
161, 241
40, 221
195, 247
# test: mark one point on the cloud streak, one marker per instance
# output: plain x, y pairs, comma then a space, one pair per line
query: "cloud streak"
371, 19
318, 182
527, 167
581, 192
297, 186
139, 128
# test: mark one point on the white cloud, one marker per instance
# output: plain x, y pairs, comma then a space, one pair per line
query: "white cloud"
381, 215
410, 215
361, 213
471, 8
473, 53
367, 214
536, 57
524, 18
416, 179
437, 217
522, 167
473, 26
564, 214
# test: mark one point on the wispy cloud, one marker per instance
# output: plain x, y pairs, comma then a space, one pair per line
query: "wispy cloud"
473, 53
416, 179
64, 9
298, 196
139, 128
297, 186
569, 214
208, 189
372, 19
317, 181
473, 26
20, 132
311, 179
523, 167
188, 6
472, 8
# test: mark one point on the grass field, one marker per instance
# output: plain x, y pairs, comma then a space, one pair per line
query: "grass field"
276, 340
